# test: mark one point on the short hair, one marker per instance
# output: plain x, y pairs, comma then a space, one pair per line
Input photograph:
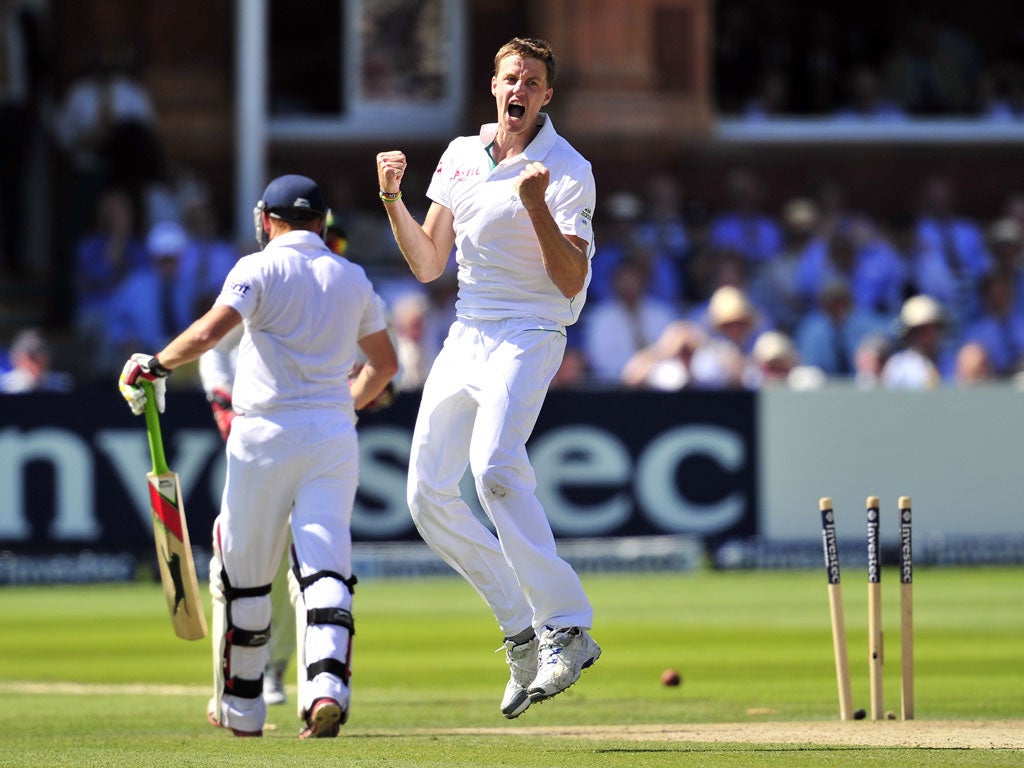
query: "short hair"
529, 48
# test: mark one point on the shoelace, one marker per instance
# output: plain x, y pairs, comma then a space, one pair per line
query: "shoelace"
553, 643
515, 660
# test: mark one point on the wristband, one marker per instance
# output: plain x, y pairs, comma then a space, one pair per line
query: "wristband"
157, 368
390, 197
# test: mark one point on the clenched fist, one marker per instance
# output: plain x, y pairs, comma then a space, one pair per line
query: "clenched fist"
390, 170
532, 184
140, 366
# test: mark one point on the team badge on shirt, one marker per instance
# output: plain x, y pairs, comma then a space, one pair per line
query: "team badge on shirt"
463, 174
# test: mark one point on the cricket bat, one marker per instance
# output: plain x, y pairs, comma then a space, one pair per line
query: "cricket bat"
170, 534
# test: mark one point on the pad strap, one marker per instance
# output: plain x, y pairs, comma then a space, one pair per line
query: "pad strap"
339, 617
337, 668
244, 689
233, 593
247, 638
305, 581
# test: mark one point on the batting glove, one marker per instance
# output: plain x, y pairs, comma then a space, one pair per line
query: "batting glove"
223, 413
141, 366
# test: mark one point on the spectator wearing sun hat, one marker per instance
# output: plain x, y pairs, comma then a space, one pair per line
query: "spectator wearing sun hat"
723, 362
778, 364
921, 362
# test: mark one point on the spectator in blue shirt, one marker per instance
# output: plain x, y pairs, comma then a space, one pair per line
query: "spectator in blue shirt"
154, 303
828, 338
619, 232
1000, 328
954, 243
743, 226
103, 258
207, 257
775, 284
1006, 244
857, 254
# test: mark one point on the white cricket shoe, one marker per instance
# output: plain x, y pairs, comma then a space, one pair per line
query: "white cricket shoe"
273, 685
522, 664
564, 653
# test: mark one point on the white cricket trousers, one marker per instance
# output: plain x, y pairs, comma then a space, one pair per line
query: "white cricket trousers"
304, 464
479, 406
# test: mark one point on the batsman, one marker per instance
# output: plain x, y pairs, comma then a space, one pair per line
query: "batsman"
292, 454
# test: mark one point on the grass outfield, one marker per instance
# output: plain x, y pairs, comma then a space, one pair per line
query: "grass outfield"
93, 676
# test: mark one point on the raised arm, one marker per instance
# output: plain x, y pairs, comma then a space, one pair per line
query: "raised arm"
426, 248
564, 256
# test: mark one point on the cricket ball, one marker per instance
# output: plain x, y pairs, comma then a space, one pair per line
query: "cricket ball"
859, 714
671, 678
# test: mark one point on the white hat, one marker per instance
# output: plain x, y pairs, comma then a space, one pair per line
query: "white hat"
921, 310
773, 345
728, 304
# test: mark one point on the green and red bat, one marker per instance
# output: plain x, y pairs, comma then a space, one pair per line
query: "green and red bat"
170, 534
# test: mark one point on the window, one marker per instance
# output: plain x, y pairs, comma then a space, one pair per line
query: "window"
365, 68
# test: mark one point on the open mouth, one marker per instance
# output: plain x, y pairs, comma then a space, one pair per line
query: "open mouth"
516, 111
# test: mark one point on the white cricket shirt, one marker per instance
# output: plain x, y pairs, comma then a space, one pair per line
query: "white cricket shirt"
501, 274
304, 311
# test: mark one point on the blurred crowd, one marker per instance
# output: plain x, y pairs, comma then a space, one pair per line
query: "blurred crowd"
681, 296
816, 291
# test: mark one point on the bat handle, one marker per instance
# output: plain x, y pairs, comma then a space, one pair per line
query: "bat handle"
156, 441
